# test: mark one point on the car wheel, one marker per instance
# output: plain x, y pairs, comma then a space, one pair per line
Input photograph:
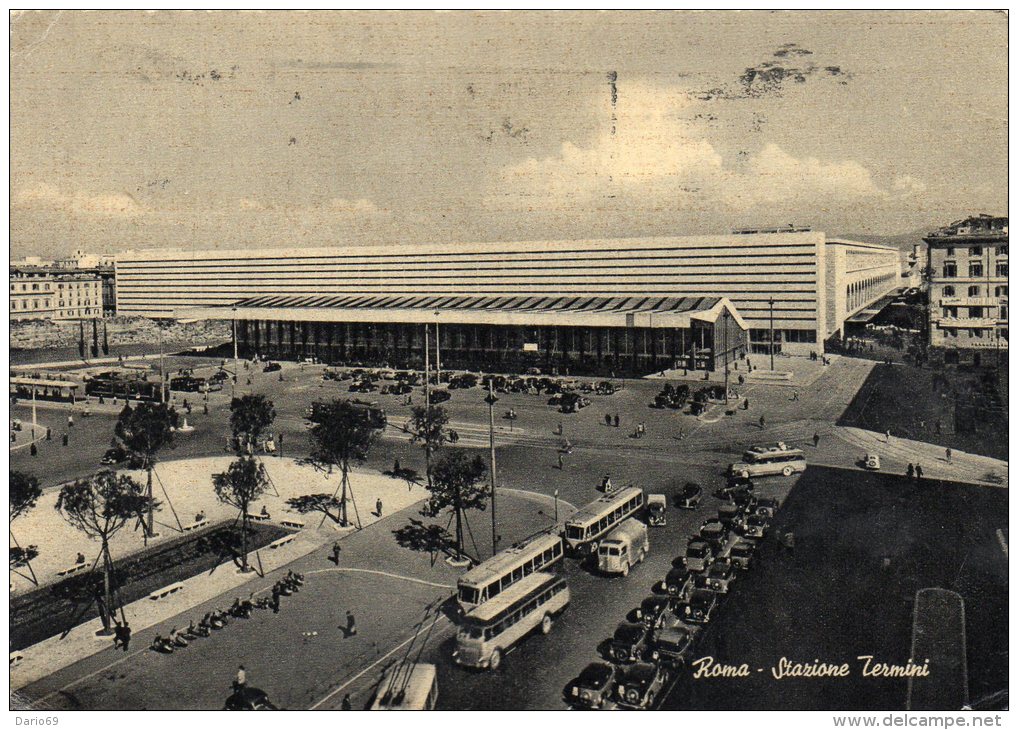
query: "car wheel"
625, 570
787, 471
546, 623
496, 659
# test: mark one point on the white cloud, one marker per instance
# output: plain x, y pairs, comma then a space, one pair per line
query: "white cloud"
44, 195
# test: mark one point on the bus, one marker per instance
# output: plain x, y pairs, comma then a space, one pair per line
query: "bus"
505, 568
113, 385
408, 686
597, 519
624, 547
372, 413
493, 628
761, 461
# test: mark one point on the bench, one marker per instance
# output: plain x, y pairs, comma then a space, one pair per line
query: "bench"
196, 526
282, 541
166, 591
73, 569
257, 517
295, 524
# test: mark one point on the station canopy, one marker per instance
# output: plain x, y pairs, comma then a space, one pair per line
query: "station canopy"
562, 311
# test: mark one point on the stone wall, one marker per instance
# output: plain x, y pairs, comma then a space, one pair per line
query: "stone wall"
120, 331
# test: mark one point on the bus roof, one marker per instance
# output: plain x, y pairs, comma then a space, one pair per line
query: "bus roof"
409, 690
500, 562
525, 586
599, 506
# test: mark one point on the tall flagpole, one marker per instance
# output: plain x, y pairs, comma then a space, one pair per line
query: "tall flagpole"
491, 442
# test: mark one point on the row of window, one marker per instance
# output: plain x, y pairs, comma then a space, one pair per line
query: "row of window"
977, 250
612, 518
975, 269
976, 291
975, 333
976, 312
521, 571
764, 335
46, 286
519, 614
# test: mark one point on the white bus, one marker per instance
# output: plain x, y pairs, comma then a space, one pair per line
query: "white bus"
590, 524
624, 547
500, 571
408, 687
761, 461
493, 628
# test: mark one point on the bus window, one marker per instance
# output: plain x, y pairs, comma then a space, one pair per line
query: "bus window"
517, 574
494, 589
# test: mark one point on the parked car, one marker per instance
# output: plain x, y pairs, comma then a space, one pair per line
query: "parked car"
718, 577
271, 367
594, 686
651, 609
675, 581
605, 387
732, 486
657, 510
463, 380
640, 686
699, 606
766, 507
629, 642
248, 698
753, 526
729, 513
741, 554
714, 533
439, 396
698, 556
872, 462
572, 402
689, 496
672, 646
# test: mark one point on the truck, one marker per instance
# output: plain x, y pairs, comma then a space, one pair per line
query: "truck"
625, 546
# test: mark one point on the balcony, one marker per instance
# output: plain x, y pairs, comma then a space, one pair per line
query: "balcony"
972, 301
966, 322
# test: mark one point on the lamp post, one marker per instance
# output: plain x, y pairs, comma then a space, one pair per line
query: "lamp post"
556, 506
491, 400
438, 355
771, 303
724, 337
236, 360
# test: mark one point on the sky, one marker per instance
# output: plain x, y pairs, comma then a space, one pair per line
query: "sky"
220, 130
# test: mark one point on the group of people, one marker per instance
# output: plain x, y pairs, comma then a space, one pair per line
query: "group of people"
217, 619
608, 420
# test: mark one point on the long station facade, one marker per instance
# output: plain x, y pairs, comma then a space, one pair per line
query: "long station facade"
622, 305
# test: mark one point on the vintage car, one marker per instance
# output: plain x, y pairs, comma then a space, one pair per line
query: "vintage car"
671, 646
463, 380
732, 486
717, 578
594, 686
572, 402
689, 496
871, 462
629, 642
640, 686
698, 556
675, 581
439, 396
651, 609
271, 367
714, 533
753, 526
766, 507
248, 698
698, 608
729, 513
657, 508
741, 554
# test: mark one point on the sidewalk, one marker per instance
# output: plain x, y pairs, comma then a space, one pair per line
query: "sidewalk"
789, 372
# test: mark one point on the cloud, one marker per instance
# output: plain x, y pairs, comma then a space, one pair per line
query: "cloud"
660, 158
46, 196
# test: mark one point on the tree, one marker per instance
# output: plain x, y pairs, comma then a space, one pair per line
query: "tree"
423, 538
456, 485
341, 435
24, 492
428, 427
242, 483
250, 417
323, 503
143, 431
100, 506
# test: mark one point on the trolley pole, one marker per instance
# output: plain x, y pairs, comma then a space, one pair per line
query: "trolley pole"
491, 399
771, 303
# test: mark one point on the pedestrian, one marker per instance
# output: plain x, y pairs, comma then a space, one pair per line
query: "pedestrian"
396, 468
560, 461
745, 405
122, 636
33, 450
947, 452
795, 395
742, 379
816, 440
918, 473
607, 419
241, 680
346, 704
70, 421
336, 549
936, 427
616, 420
763, 421
351, 625
275, 598
606, 484
65, 439
205, 408
378, 507
560, 429
887, 437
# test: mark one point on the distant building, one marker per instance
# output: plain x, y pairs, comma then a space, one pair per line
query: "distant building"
967, 265
46, 293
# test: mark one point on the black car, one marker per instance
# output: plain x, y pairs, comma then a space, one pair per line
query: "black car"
766, 507
671, 646
741, 554
640, 686
714, 533
699, 606
629, 642
753, 526
729, 513
733, 485
717, 578
651, 609
594, 686
220, 376
272, 367
249, 698
674, 581
689, 496
439, 396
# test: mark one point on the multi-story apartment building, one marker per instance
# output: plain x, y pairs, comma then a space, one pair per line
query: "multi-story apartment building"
46, 293
967, 270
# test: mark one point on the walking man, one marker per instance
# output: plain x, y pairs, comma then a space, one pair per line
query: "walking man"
947, 452
378, 506
241, 678
351, 625
616, 420
816, 439
795, 395
560, 461
346, 704
763, 421
918, 473
888, 436
335, 552
607, 419
910, 472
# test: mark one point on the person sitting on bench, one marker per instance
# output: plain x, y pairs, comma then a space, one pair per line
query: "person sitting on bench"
162, 645
200, 517
80, 560
265, 512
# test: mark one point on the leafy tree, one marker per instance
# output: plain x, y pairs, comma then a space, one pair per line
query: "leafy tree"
341, 435
433, 539
428, 427
324, 503
24, 492
456, 485
250, 417
243, 482
100, 506
143, 431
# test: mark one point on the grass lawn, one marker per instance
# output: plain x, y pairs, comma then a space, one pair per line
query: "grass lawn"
55, 608
832, 598
902, 398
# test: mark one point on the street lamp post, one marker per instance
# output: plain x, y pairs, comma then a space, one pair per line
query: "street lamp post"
771, 303
492, 400
236, 360
556, 506
724, 337
438, 355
